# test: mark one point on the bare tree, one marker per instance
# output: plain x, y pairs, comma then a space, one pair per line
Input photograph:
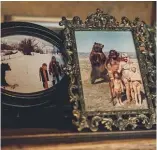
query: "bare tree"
5, 46
28, 45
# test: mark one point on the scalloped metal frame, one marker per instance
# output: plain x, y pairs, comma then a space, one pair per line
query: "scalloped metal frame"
144, 36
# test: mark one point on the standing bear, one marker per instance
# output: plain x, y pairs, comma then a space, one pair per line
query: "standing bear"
6, 67
98, 60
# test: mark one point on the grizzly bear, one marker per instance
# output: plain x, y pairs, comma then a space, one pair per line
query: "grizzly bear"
98, 60
4, 67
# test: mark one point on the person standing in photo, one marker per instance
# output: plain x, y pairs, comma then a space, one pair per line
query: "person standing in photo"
124, 70
55, 70
43, 74
112, 65
136, 85
118, 87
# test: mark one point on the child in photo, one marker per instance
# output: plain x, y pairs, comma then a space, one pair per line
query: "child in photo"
43, 74
118, 88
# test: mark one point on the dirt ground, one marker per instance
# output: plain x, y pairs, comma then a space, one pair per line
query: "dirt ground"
97, 96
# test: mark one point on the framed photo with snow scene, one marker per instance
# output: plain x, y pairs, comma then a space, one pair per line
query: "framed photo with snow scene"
32, 62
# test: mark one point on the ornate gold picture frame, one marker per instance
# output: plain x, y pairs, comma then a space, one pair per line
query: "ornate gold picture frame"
96, 49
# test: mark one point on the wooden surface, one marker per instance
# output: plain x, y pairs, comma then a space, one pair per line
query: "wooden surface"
132, 144
131, 9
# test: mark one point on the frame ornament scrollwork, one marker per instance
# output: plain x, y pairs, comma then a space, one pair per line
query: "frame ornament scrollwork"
144, 39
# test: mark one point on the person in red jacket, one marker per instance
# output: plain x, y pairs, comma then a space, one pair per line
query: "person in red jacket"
43, 74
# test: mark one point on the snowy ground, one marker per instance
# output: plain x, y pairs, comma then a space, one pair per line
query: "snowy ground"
25, 71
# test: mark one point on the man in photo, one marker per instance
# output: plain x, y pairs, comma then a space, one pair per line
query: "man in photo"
124, 69
55, 70
112, 65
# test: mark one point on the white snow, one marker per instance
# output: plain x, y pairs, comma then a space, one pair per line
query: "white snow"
25, 71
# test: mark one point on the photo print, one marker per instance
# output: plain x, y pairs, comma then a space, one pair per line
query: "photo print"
29, 64
110, 72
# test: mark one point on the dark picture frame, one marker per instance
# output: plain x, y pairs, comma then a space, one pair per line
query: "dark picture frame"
15, 99
144, 41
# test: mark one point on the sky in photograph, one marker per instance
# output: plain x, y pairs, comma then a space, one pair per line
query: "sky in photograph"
16, 39
122, 41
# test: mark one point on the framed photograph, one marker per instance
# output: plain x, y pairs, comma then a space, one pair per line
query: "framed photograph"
34, 87
112, 70
32, 61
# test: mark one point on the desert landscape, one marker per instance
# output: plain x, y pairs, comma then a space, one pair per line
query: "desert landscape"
97, 96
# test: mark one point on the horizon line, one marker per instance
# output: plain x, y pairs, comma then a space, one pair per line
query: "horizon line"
108, 51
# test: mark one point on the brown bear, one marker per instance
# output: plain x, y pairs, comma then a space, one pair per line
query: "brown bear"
98, 60
6, 67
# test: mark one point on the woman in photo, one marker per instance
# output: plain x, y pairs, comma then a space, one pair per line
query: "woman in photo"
136, 85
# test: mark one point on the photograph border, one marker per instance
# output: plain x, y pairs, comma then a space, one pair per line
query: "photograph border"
124, 119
